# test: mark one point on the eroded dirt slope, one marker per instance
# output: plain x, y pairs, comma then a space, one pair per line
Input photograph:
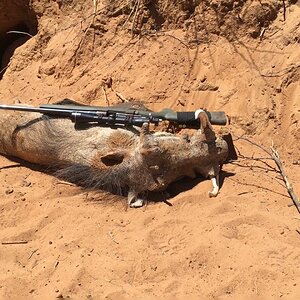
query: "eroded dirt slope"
238, 56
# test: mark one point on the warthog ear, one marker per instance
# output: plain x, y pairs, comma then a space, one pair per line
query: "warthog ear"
232, 155
113, 158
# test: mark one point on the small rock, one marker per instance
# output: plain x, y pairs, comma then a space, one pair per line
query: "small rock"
9, 191
296, 162
203, 78
26, 183
206, 87
186, 90
271, 115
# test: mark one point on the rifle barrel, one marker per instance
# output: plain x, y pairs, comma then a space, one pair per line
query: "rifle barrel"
87, 116
41, 110
119, 115
184, 118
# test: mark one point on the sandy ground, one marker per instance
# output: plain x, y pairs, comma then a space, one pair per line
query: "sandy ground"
244, 243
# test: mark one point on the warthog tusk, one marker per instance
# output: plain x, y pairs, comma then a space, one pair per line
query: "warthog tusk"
133, 201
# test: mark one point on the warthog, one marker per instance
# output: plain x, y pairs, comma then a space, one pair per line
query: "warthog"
114, 159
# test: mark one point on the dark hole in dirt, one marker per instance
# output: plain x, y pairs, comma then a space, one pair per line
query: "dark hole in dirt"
12, 39
18, 23
155, 14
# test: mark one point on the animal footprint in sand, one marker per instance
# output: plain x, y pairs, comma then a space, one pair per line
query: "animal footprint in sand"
170, 237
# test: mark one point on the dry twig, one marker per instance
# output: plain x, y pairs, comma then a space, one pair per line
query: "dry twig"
275, 156
95, 2
56, 263
31, 254
105, 95
20, 32
65, 182
110, 234
119, 10
14, 242
121, 97
261, 35
83, 37
282, 72
134, 17
289, 186
284, 10
2, 71
131, 13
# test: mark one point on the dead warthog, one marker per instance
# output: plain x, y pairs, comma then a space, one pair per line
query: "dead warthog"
114, 159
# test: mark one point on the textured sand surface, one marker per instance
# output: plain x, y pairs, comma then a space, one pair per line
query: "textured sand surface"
245, 242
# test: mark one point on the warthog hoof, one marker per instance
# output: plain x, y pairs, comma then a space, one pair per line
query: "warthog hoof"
216, 186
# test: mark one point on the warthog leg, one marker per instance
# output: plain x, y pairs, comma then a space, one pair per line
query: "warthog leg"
133, 201
215, 184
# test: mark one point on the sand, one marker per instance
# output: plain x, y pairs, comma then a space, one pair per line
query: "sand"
79, 244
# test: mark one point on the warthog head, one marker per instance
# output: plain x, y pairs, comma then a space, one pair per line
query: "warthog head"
151, 161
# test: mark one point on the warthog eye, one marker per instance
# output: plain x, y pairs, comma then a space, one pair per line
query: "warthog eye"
155, 167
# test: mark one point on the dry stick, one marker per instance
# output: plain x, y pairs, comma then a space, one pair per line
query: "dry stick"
20, 32
181, 102
262, 34
93, 23
283, 71
132, 11
78, 48
32, 253
121, 97
105, 95
119, 10
95, 6
274, 154
260, 159
65, 182
56, 262
289, 186
284, 9
14, 242
4, 69
110, 234
134, 17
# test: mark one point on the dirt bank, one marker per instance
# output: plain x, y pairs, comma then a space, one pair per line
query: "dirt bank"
238, 56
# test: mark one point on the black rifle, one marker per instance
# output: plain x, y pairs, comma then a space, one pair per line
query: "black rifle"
117, 115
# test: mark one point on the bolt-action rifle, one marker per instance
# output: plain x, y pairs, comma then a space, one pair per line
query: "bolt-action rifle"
118, 115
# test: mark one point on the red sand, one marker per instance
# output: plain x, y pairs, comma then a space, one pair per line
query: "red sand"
243, 243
